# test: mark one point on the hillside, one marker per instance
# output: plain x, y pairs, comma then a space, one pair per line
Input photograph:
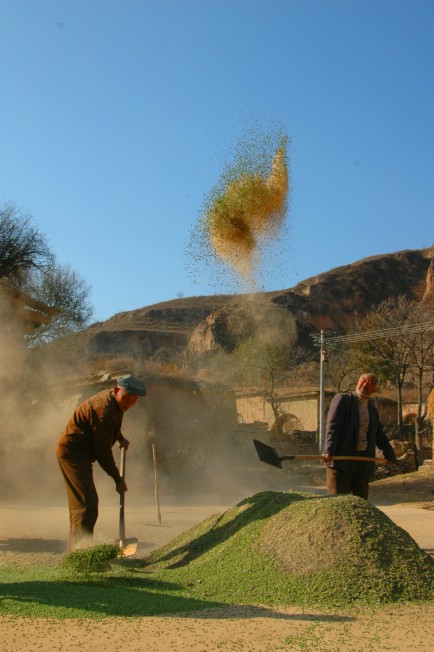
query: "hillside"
333, 301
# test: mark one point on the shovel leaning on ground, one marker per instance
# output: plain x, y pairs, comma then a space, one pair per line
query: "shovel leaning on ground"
269, 455
128, 546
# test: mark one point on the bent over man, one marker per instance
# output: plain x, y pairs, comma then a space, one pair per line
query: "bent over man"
89, 436
354, 428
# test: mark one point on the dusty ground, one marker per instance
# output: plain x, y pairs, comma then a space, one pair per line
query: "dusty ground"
37, 533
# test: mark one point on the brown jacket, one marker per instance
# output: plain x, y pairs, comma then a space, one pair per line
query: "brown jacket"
92, 431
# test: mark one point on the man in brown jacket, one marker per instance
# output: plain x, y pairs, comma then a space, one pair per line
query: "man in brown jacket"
89, 435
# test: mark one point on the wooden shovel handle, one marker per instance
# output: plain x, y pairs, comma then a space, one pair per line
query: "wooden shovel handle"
122, 501
377, 460
356, 458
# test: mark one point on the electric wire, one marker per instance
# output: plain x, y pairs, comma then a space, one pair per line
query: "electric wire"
380, 334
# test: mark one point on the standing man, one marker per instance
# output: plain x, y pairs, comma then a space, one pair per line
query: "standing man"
354, 428
88, 437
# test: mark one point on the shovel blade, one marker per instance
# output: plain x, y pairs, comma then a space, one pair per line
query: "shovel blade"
267, 454
128, 547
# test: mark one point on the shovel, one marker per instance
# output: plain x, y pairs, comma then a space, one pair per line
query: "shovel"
128, 546
269, 455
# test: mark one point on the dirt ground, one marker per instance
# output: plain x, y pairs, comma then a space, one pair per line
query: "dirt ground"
37, 534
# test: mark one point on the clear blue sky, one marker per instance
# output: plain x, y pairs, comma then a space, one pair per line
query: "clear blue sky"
116, 118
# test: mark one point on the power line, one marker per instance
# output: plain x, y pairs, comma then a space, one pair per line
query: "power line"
373, 335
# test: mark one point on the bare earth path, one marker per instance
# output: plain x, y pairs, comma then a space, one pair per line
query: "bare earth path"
38, 532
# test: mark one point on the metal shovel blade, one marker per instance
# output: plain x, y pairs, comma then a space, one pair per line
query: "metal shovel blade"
267, 454
128, 547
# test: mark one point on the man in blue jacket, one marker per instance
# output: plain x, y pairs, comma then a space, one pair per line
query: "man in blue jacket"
354, 428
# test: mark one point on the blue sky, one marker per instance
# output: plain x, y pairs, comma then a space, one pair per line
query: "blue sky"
117, 118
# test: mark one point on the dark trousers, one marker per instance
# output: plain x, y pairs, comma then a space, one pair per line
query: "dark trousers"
353, 482
82, 498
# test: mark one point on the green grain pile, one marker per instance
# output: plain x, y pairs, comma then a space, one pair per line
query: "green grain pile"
272, 549
292, 548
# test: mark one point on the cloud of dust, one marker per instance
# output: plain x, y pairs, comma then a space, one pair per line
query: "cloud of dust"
244, 214
33, 413
223, 464
202, 458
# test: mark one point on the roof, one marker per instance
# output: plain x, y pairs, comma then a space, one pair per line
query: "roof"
31, 312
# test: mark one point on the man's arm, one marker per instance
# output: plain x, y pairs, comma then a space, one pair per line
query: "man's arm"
102, 441
382, 442
335, 422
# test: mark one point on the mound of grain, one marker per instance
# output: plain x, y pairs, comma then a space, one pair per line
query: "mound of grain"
292, 548
326, 533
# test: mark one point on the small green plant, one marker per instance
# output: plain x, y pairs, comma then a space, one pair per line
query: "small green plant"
95, 559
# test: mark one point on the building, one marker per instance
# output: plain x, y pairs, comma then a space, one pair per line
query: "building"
21, 309
299, 409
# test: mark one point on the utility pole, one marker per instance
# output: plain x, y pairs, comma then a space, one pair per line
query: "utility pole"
321, 394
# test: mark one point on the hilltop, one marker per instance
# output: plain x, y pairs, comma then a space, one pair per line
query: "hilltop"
334, 301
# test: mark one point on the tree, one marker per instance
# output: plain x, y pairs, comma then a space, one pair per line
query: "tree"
266, 365
403, 348
421, 345
27, 263
342, 368
22, 247
60, 287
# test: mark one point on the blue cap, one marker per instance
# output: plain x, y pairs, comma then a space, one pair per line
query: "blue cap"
132, 385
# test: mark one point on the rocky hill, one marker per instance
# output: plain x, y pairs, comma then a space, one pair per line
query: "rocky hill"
333, 301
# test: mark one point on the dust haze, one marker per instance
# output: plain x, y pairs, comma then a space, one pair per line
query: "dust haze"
201, 456
32, 416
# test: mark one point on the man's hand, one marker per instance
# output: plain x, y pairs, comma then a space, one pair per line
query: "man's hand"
121, 487
326, 457
124, 443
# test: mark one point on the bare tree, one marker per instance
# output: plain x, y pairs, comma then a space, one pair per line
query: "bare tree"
23, 247
270, 365
394, 355
62, 288
421, 345
342, 368
27, 263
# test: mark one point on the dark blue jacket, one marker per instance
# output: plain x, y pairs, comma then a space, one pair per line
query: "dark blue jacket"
342, 430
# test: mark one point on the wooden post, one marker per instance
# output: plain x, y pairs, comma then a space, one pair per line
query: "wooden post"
154, 458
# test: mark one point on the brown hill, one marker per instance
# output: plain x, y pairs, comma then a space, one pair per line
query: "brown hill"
334, 301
